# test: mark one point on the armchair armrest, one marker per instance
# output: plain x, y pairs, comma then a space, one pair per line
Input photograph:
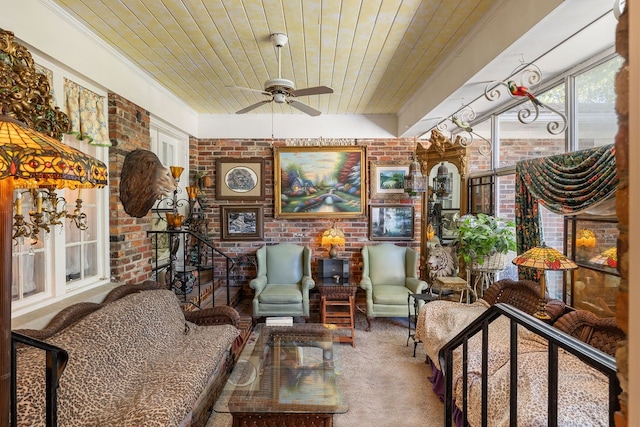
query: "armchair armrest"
307, 283
221, 315
258, 284
365, 283
415, 285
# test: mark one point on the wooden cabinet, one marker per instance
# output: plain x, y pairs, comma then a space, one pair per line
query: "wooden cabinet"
591, 243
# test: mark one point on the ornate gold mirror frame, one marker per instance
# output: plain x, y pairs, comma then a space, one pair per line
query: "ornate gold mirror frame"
440, 149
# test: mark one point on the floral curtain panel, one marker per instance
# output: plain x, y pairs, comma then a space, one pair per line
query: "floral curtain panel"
566, 184
86, 113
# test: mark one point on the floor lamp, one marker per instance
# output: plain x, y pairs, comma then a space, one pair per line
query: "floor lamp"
544, 258
31, 160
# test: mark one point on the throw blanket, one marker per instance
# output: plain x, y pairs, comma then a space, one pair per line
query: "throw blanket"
135, 362
582, 392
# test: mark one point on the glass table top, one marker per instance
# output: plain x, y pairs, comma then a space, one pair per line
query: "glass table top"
286, 369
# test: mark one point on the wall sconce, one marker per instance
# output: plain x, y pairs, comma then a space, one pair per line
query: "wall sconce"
174, 219
585, 239
415, 183
442, 182
334, 238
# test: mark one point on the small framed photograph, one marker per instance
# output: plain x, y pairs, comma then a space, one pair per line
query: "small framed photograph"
241, 222
387, 179
240, 179
391, 222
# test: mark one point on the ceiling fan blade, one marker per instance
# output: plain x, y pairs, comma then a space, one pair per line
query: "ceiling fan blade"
304, 108
316, 90
247, 89
253, 106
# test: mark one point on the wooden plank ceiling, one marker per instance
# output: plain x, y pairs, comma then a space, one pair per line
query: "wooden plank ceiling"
374, 53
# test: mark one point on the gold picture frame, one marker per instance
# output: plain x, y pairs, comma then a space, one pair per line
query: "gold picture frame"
387, 179
320, 182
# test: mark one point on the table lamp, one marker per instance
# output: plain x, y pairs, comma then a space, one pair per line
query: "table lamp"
334, 238
30, 159
544, 258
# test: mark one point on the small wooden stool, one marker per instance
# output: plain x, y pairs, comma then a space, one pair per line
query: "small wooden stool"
456, 284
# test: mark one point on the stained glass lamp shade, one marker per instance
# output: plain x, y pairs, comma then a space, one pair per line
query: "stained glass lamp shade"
544, 258
608, 258
36, 160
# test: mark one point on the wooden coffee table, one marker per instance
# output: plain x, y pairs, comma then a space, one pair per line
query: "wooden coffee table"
286, 375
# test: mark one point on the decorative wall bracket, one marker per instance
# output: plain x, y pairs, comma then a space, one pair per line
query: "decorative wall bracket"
524, 82
460, 121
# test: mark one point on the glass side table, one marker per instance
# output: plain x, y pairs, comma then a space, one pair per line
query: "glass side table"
415, 298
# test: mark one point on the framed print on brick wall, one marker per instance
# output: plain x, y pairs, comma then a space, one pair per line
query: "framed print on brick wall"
240, 179
241, 222
391, 222
387, 179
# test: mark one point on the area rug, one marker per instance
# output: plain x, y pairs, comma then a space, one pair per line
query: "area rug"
382, 381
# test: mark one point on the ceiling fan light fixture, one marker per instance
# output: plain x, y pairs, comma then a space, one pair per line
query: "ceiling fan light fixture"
279, 98
279, 39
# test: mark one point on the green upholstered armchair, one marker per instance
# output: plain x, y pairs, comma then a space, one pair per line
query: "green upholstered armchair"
389, 273
283, 282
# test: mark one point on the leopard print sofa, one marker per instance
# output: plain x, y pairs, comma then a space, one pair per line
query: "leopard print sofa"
134, 360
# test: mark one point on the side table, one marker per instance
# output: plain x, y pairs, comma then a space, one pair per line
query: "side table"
457, 284
337, 303
415, 298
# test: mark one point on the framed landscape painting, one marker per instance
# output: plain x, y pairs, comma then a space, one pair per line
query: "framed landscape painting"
240, 179
319, 182
242, 222
391, 222
387, 179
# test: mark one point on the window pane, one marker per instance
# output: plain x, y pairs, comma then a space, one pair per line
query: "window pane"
28, 274
520, 141
73, 263
552, 234
505, 208
596, 120
90, 267
480, 153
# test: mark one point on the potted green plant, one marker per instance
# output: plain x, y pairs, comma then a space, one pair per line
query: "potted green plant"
484, 240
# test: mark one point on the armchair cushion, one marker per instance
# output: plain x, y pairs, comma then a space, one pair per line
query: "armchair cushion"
390, 294
278, 294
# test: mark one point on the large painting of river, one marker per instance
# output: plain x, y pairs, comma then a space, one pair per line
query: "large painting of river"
317, 182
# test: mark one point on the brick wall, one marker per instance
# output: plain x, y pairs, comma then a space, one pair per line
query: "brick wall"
129, 246
300, 231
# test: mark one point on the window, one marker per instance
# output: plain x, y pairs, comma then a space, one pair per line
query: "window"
594, 123
66, 260
596, 119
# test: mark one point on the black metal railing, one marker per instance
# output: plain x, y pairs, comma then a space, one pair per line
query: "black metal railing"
555, 338
198, 255
56, 361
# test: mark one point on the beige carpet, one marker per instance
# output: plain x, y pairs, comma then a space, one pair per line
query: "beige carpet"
383, 383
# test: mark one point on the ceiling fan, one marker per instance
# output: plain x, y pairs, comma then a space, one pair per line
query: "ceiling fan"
282, 90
